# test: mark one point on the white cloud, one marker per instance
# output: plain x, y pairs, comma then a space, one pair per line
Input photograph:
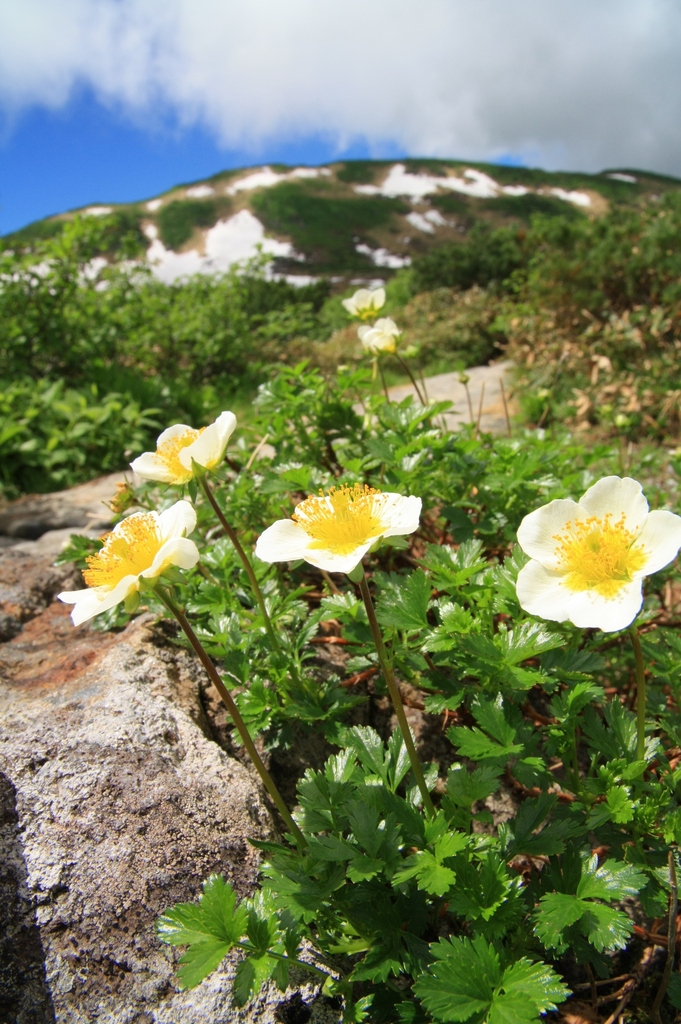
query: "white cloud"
568, 83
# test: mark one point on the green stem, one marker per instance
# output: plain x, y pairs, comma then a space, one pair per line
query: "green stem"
640, 694
281, 956
228, 700
393, 689
385, 386
417, 389
245, 561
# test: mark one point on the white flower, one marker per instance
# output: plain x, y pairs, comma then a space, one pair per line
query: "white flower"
334, 531
365, 302
589, 557
141, 547
171, 463
382, 337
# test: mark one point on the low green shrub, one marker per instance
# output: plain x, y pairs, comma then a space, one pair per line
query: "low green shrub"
53, 436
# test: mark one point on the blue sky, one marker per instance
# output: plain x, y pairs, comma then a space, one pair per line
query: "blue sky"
86, 153
117, 100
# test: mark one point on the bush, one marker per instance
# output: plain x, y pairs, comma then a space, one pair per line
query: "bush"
485, 256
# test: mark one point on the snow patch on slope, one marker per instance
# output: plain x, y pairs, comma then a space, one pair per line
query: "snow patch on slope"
230, 241
266, 178
401, 182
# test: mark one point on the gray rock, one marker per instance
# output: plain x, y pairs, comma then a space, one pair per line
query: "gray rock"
33, 515
115, 803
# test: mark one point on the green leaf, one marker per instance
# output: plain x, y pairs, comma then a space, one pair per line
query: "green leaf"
466, 788
605, 927
460, 983
406, 606
472, 743
556, 912
210, 929
527, 641
614, 880
465, 983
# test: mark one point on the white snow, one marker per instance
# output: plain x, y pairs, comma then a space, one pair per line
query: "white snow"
154, 204
418, 221
200, 191
235, 239
266, 178
617, 176
383, 258
97, 211
401, 182
228, 242
515, 190
578, 198
435, 217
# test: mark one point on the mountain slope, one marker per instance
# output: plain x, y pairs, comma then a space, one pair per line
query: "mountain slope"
357, 219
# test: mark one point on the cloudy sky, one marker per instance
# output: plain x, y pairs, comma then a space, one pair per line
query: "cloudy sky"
106, 100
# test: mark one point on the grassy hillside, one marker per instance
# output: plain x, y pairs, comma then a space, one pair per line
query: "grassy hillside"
575, 276
361, 217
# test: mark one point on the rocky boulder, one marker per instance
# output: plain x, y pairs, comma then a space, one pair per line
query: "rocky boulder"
115, 802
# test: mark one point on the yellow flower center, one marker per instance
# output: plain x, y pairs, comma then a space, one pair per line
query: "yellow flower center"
598, 554
341, 520
128, 551
169, 452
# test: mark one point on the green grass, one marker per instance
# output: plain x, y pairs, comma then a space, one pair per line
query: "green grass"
324, 227
178, 219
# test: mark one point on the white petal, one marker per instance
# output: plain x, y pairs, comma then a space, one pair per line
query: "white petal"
283, 541
362, 299
617, 495
209, 448
177, 429
177, 520
362, 332
378, 298
399, 512
661, 538
332, 562
542, 592
538, 530
177, 551
150, 467
349, 304
589, 610
387, 326
90, 602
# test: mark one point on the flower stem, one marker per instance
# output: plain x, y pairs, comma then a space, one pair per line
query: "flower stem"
385, 386
640, 694
393, 689
406, 369
245, 561
228, 700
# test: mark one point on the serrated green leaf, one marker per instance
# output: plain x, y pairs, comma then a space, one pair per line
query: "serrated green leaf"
466, 788
556, 912
199, 960
362, 868
210, 929
460, 983
473, 743
537, 983
526, 641
244, 980
605, 927
406, 607
612, 881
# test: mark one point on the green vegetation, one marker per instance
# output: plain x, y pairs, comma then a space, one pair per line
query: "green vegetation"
501, 916
589, 308
178, 219
323, 227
